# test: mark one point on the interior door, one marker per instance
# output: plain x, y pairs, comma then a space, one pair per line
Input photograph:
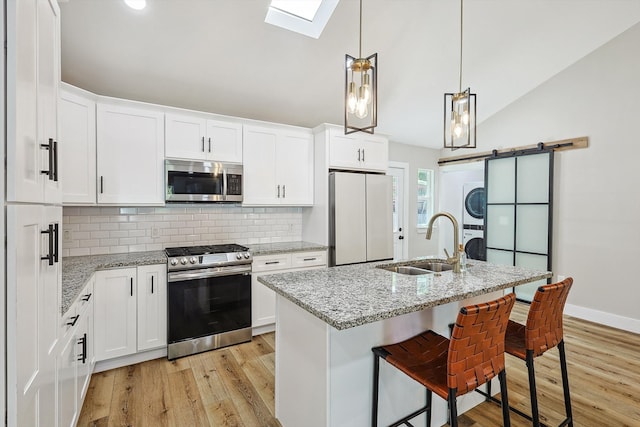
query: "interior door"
398, 212
519, 213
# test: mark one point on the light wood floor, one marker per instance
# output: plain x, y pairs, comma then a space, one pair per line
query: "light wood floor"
235, 386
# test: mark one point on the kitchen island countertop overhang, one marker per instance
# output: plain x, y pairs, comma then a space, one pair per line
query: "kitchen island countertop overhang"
353, 295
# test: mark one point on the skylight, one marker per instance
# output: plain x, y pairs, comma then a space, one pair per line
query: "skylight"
308, 17
305, 9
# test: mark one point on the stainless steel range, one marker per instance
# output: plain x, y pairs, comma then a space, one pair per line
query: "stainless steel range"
208, 298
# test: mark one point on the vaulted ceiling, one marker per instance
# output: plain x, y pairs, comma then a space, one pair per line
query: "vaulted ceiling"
219, 55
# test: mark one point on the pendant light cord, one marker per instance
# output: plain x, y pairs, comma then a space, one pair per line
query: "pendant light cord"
461, 14
360, 41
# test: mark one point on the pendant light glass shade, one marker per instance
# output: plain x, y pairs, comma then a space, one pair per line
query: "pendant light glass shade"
460, 120
360, 114
460, 111
361, 91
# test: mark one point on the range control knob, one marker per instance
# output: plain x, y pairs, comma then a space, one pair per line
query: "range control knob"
247, 255
174, 261
183, 261
193, 260
238, 255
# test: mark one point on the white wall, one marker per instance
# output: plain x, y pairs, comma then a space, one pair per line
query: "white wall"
417, 158
596, 203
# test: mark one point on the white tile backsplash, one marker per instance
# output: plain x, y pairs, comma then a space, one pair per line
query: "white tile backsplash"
101, 230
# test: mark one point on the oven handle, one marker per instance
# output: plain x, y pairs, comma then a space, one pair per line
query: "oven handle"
207, 272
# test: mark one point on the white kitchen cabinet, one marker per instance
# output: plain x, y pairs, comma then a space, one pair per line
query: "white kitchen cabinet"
357, 151
152, 306
33, 76
130, 155
196, 138
263, 299
78, 150
130, 310
115, 310
75, 359
33, 310
278, 166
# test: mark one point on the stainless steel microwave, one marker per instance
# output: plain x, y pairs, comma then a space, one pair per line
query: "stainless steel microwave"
201, 181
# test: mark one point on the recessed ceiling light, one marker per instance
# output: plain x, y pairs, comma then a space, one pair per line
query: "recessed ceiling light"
136, 4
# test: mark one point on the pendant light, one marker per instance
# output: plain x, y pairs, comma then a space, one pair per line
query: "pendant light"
460, 111
361, 91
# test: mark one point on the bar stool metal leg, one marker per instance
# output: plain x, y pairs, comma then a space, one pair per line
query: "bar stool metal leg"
532, 389
376, 376
502, 377
453, 409
429, 399
565, 384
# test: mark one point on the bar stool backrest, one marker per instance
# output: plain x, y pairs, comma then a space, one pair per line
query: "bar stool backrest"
476, 348
544, 322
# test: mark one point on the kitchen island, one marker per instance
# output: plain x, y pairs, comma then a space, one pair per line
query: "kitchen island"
328, 320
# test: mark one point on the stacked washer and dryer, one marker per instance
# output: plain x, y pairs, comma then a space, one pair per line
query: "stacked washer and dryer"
474, 202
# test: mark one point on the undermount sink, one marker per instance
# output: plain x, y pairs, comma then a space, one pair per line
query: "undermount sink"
434, 266
419, 267
412, 271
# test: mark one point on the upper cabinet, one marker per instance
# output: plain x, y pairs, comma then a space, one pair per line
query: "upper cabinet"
278, 166
78, 153
191, 137
358, 151
130, 155
33, 76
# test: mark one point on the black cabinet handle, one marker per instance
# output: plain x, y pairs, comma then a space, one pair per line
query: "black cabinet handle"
203, 144
56, 241
151, 284
309, 259
83, 342
49, 147
50, 232
86, 297
101, 184
284, 191
358, 154
272, 262
132, 286
55, 161
363, 154
209, 144
74, 321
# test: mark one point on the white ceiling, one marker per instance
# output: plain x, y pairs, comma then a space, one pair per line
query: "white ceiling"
220, 56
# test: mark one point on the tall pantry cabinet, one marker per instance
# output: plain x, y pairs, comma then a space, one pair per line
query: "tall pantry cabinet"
34, 213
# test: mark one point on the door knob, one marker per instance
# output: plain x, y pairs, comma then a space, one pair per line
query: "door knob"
400, 237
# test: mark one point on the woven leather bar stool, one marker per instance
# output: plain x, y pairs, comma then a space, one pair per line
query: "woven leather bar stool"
542, 332
456, 366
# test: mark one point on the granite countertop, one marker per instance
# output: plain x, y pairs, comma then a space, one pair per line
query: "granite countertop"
284, 247
354, 295
77, 270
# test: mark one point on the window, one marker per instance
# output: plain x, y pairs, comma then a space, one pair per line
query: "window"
425, 197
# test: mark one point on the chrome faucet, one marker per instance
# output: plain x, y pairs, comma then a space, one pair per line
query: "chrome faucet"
455, 259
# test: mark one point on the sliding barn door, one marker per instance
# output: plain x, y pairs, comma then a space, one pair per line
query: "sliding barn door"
519, 191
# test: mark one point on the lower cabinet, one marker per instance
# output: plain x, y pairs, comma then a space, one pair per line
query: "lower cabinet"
75, 359
263, 299
130, 310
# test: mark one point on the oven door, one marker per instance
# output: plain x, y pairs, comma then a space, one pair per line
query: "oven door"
208, 301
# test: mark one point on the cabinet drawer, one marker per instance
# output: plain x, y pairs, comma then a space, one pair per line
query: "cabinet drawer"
309, 259
271, 262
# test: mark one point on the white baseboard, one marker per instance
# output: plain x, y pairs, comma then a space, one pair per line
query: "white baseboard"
118, 362
259, 330
615, 321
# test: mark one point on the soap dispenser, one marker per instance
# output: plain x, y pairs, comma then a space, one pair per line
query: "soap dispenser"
463, 258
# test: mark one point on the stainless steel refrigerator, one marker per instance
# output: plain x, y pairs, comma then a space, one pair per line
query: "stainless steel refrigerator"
360, 217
